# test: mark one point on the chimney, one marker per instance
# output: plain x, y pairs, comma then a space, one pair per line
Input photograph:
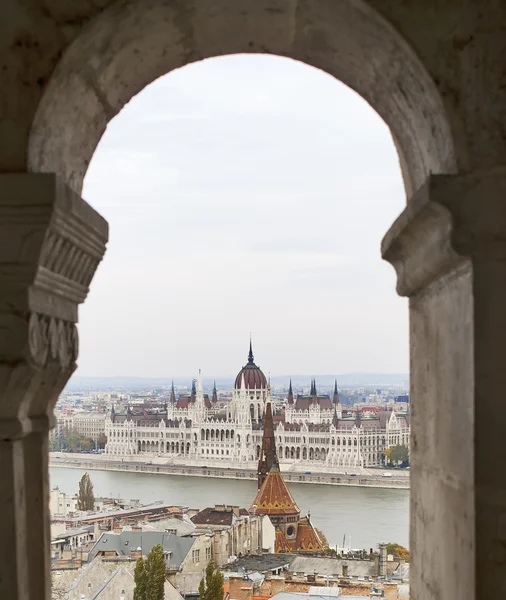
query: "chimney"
345, 570
382, 564
236, 589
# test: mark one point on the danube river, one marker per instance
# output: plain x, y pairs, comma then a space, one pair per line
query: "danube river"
366, 515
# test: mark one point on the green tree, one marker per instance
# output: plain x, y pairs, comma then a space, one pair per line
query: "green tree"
387, 453
86, 497
149, 575
211, 586
101, 441
400, 455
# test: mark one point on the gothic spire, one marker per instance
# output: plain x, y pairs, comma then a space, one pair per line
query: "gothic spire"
172, 393
268, 456
335, 400
290, 393
251, 359
358, 418
215, 393
313, 387
194, 389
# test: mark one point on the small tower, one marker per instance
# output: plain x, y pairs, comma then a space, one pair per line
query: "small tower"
268, 455
194, 390
335, 399
199, 406
215, 394
290, 393
251, 358
314, 393
172, 394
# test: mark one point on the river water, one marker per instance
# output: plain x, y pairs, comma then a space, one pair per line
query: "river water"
366, 516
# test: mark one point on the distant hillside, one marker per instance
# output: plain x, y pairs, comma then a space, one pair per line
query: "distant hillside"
79, 382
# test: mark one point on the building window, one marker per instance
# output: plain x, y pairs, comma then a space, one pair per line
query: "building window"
196, 556
208, 554
290, 531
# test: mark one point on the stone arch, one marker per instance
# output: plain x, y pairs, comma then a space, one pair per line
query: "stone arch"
129, 45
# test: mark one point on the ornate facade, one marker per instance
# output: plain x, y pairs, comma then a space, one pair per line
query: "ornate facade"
310, 431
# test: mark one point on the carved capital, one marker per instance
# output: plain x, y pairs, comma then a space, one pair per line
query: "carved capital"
51, 242
451, 220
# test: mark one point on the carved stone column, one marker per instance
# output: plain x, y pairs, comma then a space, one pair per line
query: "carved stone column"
449, 250
51, 243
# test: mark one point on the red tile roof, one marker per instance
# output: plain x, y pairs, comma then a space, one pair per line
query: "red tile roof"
307, 538
273, 498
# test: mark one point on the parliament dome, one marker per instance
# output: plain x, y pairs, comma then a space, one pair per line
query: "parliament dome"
254, 379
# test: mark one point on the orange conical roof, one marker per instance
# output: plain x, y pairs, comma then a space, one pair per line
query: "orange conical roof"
307, 538
273, 498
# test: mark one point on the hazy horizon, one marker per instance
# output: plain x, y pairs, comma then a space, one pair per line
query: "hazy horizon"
245, 194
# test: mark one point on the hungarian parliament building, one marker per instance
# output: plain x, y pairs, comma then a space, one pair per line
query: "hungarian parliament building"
196, 429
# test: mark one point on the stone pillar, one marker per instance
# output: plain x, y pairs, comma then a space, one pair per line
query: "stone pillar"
51, 243
449, 250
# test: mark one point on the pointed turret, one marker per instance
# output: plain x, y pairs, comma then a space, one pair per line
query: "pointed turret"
335, 399
358, 418
251, 358
290, 393
215, 394
194, 389
268, 456
314, 393
172, 394
200, 387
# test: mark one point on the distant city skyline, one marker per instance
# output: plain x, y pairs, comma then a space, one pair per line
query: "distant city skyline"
244, 194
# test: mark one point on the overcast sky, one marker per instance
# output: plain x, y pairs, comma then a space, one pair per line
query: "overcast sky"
244, 194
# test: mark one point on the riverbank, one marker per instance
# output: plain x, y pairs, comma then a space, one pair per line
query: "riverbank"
101, 463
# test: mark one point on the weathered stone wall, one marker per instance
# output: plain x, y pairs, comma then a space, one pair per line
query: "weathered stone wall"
436, 73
